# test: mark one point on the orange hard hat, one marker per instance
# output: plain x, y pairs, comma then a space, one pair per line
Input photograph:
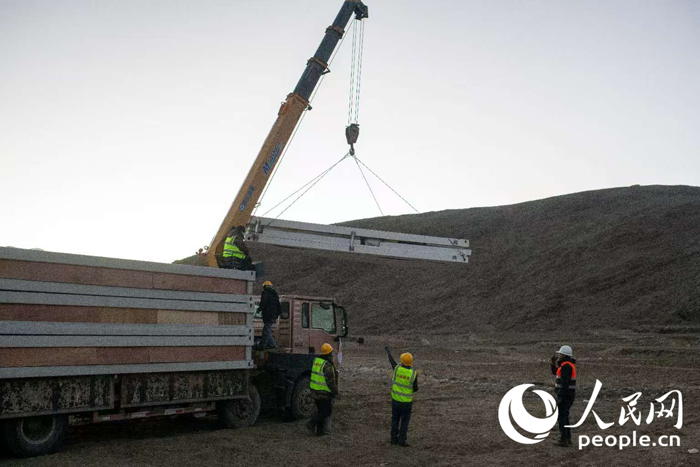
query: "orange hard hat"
326, 349
267, 284
406, 359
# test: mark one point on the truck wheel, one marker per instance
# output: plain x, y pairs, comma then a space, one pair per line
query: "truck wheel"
34, 436
303, 405
239, 413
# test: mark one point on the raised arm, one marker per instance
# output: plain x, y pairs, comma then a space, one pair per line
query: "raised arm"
391, 359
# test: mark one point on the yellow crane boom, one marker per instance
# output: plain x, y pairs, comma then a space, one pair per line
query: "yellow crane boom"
287, 118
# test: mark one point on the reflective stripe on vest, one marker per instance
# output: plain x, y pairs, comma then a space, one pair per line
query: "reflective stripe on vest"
231, 250
402, 384
572, 384
318, 378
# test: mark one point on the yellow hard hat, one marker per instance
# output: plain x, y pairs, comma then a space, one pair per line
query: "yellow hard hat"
326, 349
406, 359
267, 283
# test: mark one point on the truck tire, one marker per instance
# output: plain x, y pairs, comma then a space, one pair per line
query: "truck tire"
239, 413
34, 436
303, 405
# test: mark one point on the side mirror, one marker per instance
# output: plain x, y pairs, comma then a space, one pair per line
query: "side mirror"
346, 329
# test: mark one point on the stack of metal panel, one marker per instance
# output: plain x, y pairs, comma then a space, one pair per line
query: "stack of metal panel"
64, 315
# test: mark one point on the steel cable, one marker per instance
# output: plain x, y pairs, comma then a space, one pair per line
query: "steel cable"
298, 125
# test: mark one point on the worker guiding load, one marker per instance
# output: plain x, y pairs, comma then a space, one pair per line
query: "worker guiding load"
404, 383
236, 254
564, 368
324, 389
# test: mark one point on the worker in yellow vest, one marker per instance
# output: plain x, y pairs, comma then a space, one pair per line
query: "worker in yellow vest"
236, 254
404, 383
324, 388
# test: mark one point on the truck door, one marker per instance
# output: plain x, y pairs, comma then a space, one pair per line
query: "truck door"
283, 331
301, 311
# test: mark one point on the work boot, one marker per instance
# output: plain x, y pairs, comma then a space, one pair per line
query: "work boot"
404, 444
394, 441
569, 442
311, 426
562, 443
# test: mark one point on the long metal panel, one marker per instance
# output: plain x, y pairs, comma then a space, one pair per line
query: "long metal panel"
18, 285
341, 242
387, 248
22, 254
46, 371
121, 302
398, 250
306, 227
99, 329
122, 341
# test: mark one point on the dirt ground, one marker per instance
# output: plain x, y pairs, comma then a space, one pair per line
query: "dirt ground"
455, 422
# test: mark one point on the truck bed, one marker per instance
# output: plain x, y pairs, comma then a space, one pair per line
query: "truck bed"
81, 319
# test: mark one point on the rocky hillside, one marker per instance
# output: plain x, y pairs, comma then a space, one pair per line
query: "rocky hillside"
615, 258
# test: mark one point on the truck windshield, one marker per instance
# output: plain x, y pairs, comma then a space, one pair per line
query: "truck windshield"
323, 318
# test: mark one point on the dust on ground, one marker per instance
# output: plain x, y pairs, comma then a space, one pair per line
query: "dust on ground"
454, 423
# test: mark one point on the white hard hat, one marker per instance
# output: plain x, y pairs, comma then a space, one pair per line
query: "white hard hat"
566, 350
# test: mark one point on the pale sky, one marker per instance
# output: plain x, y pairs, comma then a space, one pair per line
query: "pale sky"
127, 127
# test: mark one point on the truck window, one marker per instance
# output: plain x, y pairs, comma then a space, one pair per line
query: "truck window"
285, 310
323, 318
305, 315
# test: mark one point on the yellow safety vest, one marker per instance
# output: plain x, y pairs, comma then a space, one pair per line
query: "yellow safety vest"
402, 384
231, 250
318, 378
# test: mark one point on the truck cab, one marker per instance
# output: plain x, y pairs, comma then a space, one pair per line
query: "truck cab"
304, 325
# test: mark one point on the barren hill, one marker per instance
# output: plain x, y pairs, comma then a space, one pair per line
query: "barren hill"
622, 258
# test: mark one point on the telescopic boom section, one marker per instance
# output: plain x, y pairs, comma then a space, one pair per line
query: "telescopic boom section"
287, 118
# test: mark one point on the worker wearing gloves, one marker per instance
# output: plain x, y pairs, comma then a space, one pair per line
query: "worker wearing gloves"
404, 383
271, 309
236, 254
564, 368
324, 388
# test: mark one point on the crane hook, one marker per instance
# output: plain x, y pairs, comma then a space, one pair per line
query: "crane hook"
352, 132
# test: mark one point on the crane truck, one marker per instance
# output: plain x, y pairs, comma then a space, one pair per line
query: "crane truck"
88, 339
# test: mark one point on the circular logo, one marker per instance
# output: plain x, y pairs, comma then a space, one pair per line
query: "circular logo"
512, 406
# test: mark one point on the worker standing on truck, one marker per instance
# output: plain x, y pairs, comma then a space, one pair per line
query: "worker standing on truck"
564, 368
324, 388
271, 309
236, 254
404, 383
